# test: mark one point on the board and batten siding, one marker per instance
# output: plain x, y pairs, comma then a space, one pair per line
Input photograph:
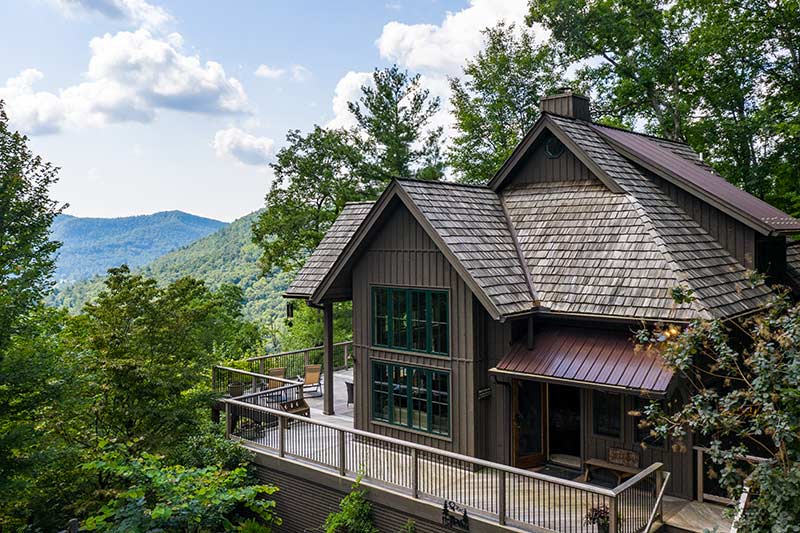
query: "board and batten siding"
401, 254
537, 167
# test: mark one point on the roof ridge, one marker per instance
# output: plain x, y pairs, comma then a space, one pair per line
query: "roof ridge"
640, 134
360, 202
443, 182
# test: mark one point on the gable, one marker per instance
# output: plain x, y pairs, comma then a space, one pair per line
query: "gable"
549, 161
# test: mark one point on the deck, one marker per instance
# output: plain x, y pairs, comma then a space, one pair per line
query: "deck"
522, 499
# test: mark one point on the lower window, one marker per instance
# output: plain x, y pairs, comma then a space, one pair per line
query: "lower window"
607, 414
413, 397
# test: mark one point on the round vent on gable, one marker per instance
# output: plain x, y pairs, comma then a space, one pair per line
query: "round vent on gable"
553, 148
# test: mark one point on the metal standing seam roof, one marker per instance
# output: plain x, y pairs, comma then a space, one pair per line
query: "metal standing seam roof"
671, 158
595, 357
338, 235
721, 285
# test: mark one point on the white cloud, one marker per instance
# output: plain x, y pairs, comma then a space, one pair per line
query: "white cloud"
348, 89
264, 71
138, 13
244, 147
443, 48
300, 73
130, 76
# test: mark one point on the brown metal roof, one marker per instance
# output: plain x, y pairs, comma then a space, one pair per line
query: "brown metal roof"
701, 177
588, 357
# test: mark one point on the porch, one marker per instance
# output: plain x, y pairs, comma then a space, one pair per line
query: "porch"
522, 499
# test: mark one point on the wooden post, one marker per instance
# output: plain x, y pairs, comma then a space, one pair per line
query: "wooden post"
281, 436
700, 488
214, 379
346, 355
327, 344
228, 427
261, 366
613, 516
659, 484
342, 454
414, 473
501, 497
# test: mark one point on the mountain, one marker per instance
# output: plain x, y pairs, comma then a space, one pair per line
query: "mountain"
226, 256
93, 245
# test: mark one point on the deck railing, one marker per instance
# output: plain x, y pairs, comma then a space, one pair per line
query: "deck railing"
235, 382
504, 494
295, 361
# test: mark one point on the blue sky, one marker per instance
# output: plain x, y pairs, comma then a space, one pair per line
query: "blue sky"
151, 105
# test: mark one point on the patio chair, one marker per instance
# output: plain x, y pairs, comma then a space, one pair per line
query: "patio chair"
313, 378
278, 372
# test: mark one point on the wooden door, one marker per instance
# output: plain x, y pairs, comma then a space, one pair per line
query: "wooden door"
528, 423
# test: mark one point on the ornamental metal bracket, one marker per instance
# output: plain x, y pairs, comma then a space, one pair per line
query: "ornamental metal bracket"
454, 516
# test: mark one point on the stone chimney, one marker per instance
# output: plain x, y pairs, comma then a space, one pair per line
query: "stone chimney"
566, 104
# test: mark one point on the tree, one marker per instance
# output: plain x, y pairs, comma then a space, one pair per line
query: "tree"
394, 116
26, 213
498, 100
744, 399
354, 515
315, 175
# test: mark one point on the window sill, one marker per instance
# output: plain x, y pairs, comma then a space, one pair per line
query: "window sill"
434, 356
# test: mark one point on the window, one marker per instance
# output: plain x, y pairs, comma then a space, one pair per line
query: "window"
642, 434
411, 319
607, 414
417, 398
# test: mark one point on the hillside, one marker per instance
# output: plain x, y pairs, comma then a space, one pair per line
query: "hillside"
93, 245
226, 256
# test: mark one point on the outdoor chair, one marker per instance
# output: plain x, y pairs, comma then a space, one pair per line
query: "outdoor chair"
279, 372
313, 378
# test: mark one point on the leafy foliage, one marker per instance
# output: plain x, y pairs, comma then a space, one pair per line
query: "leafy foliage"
160, 497
26, 213
355, 513
90, 246
498, 100
744, 400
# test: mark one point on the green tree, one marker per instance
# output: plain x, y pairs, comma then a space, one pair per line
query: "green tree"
315, 175
159, 497
395, 115
498, 100
26, 213
743, 400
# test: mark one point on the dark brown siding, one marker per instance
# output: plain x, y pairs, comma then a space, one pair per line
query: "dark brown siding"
680, 464
537, 167
738, 239
402, 255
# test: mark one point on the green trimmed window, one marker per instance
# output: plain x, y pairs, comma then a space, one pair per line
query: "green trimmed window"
411, 319
412, 397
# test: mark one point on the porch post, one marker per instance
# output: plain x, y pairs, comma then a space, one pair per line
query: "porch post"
327, 343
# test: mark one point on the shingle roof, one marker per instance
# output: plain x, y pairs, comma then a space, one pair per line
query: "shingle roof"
317, 265
677, 161
471, 222
721, 285
590, 356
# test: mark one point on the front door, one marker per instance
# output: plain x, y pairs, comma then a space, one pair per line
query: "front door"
528, 423
564, 425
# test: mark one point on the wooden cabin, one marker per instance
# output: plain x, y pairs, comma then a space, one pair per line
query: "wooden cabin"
496, 321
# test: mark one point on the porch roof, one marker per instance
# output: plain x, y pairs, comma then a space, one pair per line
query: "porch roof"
591, 358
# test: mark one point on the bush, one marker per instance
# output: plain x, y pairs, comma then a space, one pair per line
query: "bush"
355, 513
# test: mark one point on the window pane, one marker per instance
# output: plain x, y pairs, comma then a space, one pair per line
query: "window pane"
642, 434
419, 321
439, 329
400, 395
440, 403
607, 414
399, 319
380, 391
381, 316
419, 400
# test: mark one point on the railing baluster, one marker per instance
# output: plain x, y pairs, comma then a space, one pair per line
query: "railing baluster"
342, 454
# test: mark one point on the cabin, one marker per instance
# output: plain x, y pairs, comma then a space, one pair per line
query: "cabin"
496, 322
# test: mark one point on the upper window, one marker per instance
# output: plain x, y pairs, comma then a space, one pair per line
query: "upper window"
607, 414
411, 319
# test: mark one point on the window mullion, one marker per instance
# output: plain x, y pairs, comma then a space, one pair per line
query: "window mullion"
428, 322
429, 382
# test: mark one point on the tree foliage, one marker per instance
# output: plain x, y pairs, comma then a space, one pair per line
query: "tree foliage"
354, 515
498, 100
744, 400
26, 214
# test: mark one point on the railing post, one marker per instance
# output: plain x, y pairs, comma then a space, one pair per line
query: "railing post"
281, 436
700, 488
501, 497
346, 355
659, 484
613, 516
228, 427
214, 378
342, 454
414, 473
260, 366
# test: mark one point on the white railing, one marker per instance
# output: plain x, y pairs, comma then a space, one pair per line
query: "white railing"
501, 493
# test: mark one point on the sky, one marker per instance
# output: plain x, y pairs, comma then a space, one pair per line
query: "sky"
151, 105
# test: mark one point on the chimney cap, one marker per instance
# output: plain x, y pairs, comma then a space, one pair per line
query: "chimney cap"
566, 103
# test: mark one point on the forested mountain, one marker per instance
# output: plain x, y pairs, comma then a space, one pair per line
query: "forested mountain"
93, 245
226, 256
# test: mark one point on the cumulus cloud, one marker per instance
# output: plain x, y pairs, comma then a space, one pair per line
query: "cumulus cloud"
348, 89
243, 147
130, 76
265, 71
137, 13
300, 73
443, 48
